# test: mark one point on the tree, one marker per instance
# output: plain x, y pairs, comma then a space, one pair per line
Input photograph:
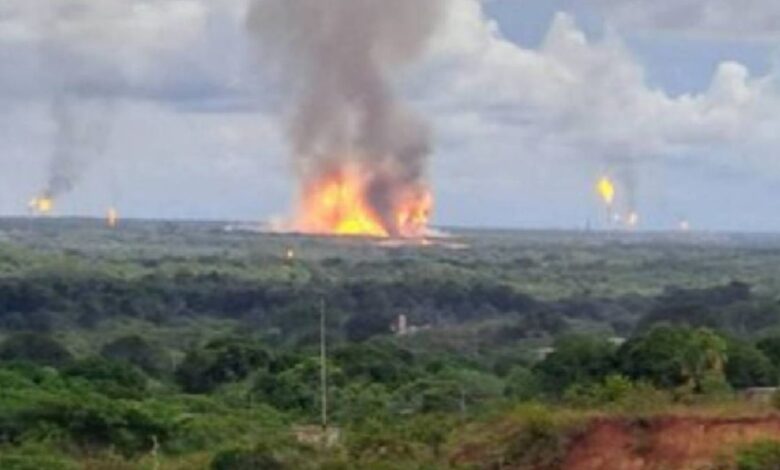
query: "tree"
358, 402
522, 384
35, 348
576, 358
383, 362
747, 366
703, 359
139, 352
770, 346
674, 356
221, 361
365, 325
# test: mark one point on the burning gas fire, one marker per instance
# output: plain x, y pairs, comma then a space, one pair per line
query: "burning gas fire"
42, 205
112, 218
338, 203
606, 189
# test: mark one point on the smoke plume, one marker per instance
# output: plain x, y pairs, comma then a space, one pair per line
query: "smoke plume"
340, 60
81, 136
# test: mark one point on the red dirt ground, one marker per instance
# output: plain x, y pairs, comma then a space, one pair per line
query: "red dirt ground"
663, 443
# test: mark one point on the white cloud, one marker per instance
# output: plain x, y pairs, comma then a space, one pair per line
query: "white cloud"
578, 97
732, 19
116, 46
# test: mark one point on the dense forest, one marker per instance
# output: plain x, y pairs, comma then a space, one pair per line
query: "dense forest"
196, 345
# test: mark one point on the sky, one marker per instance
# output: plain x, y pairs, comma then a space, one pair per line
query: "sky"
530, 101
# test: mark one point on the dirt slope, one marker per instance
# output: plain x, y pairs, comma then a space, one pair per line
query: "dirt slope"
661, 443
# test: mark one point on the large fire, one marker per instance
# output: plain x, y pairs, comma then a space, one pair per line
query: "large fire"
338, 203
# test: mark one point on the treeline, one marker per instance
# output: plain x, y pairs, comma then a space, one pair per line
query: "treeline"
361, 309
682, 360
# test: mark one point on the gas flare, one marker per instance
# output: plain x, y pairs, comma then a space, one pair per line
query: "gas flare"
633, 220
112, 218
606, 189
42, 205
339, 203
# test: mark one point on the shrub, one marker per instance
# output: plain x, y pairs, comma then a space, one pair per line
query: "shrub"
243, 459
12, 461
540, 442
113, 379
759, 455
95, 421
617, 391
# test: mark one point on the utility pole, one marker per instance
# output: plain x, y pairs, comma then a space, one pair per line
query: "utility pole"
323, 372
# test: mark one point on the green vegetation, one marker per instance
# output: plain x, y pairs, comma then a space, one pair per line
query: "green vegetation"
176, 346
761, 455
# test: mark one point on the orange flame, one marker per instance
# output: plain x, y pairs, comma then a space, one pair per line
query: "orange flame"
338, 204
606, 189
42, 205
112, 217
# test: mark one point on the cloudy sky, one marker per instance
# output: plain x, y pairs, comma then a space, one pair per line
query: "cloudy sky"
531, 101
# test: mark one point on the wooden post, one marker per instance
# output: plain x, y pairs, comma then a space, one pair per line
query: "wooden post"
323, 371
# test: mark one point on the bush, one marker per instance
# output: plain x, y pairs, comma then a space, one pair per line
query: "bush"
113, 379
12, 461
242, 459
759, 455
540, 442
617, 391
95, 421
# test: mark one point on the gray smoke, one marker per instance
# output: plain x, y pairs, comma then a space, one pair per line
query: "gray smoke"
339, 59
81, 136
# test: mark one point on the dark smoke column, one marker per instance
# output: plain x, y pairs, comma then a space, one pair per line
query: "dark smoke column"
83, 126
339, 59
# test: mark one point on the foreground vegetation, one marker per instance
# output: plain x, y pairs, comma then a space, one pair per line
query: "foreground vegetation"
185, 346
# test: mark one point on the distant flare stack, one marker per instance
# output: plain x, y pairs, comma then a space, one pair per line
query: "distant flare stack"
41, 205
606, 189
112, 218
617, 215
